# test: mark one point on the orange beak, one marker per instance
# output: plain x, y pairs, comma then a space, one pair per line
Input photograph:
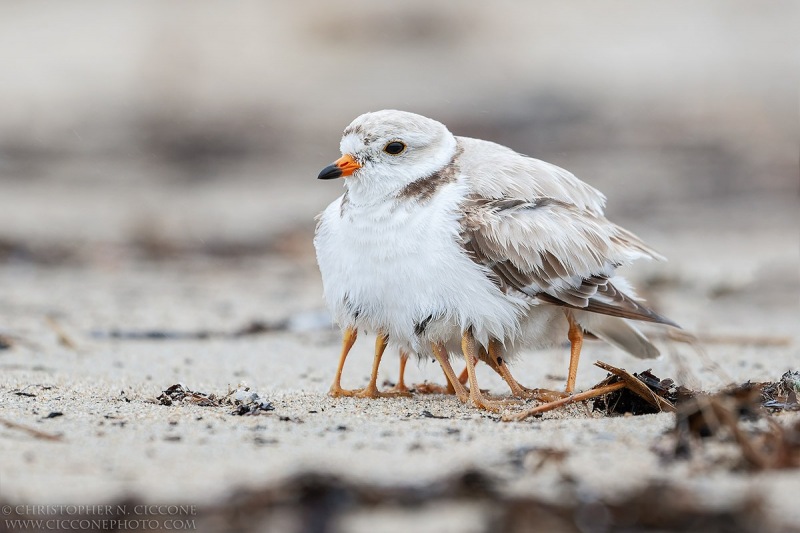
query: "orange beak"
342, 167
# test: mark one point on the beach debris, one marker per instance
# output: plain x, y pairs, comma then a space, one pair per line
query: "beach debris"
322, 502
550, 406
319, 502
180, 393
427, 414
245, 401
29, 430
63, 338
782, 394
661, 394
648, 387
741, 415
621, 392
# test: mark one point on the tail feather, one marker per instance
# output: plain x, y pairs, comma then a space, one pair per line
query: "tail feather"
618, 332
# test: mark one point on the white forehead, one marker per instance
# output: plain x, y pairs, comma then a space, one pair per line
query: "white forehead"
389, 124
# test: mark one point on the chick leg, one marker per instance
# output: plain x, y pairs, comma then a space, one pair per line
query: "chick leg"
498, 364
348, 339
441, 355
575, 335
433, 388
400, 388
371, 390
471, 351
464, 375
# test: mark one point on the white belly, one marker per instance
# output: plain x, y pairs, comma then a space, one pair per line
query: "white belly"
394, 268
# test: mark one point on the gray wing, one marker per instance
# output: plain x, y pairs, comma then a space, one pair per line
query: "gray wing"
495, 171
556, 252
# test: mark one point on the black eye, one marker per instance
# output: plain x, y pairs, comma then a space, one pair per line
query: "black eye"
394, 147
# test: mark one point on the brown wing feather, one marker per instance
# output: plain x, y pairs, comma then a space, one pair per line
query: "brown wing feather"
571, 269
623, 306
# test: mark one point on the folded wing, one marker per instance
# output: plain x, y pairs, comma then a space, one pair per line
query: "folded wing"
555, 252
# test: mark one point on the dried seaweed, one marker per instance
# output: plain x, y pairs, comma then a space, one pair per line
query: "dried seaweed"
782, 395
245, 401
738, 415
626, 401
180, 393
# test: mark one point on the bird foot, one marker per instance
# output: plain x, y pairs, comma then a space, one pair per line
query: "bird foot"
494, 404
337, 391
399, 390
371, 391
432, 388
541, 395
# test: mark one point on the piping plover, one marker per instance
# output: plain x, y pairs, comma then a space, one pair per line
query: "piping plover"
441, 240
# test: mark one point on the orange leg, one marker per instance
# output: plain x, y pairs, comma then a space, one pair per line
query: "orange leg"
498, 364
441, 355
348, 339
471, 350
464, 375
371, 390
400, 388
575, 335
432, 388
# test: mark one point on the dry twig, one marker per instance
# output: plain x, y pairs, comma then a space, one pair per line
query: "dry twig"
63, 339
29, 430
587, 395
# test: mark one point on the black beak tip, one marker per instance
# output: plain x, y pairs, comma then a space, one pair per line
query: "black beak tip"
330, 172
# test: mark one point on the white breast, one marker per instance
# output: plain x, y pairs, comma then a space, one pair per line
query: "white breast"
389, 266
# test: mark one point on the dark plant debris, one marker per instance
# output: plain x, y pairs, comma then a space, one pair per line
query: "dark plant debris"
775, 396
319, 502
741, 414
782, 395
626, 400
646, 394
245, 401
427, 414
179, 393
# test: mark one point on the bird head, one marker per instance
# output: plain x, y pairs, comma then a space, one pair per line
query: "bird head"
384, 151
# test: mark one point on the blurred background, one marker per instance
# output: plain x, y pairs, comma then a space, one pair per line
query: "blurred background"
189, 126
